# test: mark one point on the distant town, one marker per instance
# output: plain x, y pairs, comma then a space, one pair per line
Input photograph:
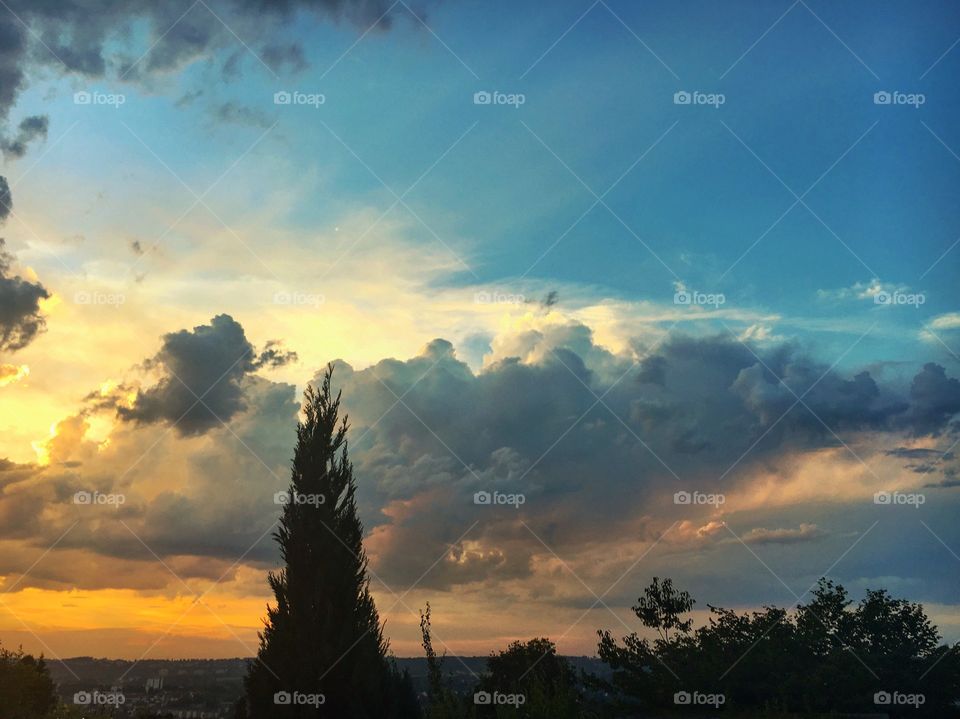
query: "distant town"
207, 688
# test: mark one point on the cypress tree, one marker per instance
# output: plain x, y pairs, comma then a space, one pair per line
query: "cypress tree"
324, 636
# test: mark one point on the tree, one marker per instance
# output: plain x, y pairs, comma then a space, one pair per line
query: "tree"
826, 656
661, 607
434, 664
441, 702
26, 689
643, 674
322, 650
533, 671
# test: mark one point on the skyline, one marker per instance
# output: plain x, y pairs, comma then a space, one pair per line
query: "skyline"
671, 249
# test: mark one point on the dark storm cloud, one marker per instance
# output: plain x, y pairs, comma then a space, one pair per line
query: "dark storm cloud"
274, 355
595, 480
6, 199
934, 400
20, 317
909, 453
29, 130
700, 402
202, 371
73, 36
280, 56
702, 405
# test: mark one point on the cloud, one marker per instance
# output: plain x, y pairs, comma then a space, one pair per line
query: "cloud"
91, 38
20, 315
428, 432
935, 400
862, 291
236, 114
10, 373
6, 199
274, 355
30, 129
803, 533
940, 324
918, 453
284, 55
530, 423
949, 321
201, 376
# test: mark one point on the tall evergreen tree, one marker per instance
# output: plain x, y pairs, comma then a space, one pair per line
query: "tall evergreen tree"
324, 636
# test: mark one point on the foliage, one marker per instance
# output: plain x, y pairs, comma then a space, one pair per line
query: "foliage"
826, 656
324, 636
26, 689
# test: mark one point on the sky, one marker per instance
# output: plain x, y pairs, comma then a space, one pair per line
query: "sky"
676, 282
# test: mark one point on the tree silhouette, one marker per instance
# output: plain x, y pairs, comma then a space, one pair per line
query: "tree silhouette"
661, 607
533, 671
322, 651
442, 703
26, 689
826, 656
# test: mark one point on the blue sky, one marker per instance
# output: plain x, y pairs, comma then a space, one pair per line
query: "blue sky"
799, 96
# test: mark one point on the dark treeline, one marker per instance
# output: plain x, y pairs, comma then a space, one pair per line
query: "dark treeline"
828, 657
323, 654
